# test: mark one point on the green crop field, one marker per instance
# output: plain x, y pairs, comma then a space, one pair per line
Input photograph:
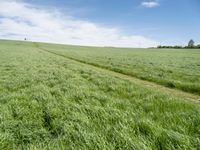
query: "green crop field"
174, 68
72, 97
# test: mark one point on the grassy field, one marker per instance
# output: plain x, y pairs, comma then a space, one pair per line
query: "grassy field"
174, 68
51, 102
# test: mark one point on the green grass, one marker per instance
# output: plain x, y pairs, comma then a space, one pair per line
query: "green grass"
174, 68
49, 102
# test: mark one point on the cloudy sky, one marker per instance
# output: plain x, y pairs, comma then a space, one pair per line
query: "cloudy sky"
123, 23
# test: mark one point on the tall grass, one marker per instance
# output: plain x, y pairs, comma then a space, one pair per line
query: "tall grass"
174, 68
48, 102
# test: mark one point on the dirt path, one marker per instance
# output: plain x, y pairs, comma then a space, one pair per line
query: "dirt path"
147, 84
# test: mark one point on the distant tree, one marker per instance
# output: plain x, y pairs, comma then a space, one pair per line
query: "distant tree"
177, 46
191, 43
167, 46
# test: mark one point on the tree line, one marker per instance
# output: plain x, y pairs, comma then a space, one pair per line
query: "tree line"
191, 45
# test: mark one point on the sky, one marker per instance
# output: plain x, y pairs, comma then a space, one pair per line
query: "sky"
119, 23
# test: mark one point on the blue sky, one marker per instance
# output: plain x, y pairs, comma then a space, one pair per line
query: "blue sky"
168, 22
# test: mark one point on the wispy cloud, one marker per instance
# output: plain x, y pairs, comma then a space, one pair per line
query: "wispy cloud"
150, 4
19, 20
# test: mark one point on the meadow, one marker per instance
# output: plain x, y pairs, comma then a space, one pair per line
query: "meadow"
48, 101
173, 68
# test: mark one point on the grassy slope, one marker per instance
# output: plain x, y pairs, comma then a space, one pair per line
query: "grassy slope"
173, 68
47, 101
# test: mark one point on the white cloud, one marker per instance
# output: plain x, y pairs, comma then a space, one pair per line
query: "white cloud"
19, 20
150, 4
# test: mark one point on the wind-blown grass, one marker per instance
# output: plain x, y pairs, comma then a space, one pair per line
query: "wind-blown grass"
49, 102
174, 68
